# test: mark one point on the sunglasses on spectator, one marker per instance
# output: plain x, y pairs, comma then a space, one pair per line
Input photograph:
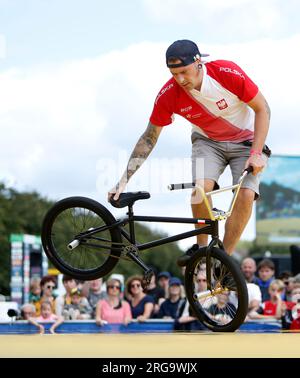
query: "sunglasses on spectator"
114, 287
50, 287
135, 285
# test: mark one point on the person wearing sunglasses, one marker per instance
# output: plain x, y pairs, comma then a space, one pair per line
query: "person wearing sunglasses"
48, 284
113, 309
141, 304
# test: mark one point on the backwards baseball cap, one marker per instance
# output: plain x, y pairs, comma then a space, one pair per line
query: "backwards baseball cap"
184, 50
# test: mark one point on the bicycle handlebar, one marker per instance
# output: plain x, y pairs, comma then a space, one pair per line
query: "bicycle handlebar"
191, 185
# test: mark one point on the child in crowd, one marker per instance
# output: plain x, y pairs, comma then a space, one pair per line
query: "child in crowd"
266, 270
35, 290
272, 307
46, 316
290, 314
79, 308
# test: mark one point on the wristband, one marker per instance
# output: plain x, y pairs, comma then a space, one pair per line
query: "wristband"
255, 152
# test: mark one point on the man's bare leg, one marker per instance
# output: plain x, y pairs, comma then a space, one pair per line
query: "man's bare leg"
238, 220
200, 211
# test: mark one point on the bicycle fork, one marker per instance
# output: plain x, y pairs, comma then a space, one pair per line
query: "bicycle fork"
215, 241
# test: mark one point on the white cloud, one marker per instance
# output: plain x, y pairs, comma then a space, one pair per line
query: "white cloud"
58, 121
223, 20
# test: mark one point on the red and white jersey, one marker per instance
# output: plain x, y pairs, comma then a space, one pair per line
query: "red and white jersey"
219, 110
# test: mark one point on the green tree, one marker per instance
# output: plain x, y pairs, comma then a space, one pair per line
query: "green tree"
19, 213
23, 212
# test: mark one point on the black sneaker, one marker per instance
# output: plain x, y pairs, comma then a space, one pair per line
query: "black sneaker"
183, 260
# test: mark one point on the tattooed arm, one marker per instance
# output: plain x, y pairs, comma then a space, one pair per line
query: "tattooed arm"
139, 154
261, 127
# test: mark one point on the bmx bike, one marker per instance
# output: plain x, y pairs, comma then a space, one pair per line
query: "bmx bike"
84, 240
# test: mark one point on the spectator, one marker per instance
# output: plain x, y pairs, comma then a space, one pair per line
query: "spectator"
79, 309
266, 270
296, 322
141, 304
185, 319
95, 294
248, 268
83, 286
157, 293
27, 311
47, 284
168, 308
35, 290
113, 309
163, 281
69, 284
254, 297
46, 316
274, 307
286, 278
222, 310
289, 312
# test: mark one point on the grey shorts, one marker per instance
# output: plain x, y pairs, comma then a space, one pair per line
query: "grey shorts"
210, 158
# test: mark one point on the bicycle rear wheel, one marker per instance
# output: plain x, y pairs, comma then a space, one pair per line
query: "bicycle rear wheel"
94, 256
224, 307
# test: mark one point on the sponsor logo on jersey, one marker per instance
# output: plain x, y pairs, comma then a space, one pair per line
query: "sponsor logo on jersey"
222, 104
193, 115
163, 91
230, 70
184, 110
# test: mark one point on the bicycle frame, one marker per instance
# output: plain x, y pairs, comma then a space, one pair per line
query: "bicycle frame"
209, 226
212, 223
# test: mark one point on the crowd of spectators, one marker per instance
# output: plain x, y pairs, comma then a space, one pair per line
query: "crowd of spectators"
116, 301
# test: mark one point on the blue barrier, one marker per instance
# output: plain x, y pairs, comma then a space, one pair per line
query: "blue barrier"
149, 326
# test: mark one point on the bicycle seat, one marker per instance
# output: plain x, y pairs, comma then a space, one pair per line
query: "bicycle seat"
128, 199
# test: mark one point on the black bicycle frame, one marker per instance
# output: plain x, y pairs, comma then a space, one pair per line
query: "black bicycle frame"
210, 227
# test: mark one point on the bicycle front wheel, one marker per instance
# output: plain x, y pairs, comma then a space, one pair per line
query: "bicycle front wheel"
224, 307
92, 257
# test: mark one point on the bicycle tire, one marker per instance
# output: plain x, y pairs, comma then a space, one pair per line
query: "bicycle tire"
239, 292
58, 230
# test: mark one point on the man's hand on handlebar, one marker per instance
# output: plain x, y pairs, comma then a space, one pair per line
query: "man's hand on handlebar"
256, 161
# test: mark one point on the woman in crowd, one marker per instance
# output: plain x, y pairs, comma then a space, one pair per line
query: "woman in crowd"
47, 284
141, 304
113, 309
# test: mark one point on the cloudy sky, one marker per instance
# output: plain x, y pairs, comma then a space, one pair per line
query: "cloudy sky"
78, 80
